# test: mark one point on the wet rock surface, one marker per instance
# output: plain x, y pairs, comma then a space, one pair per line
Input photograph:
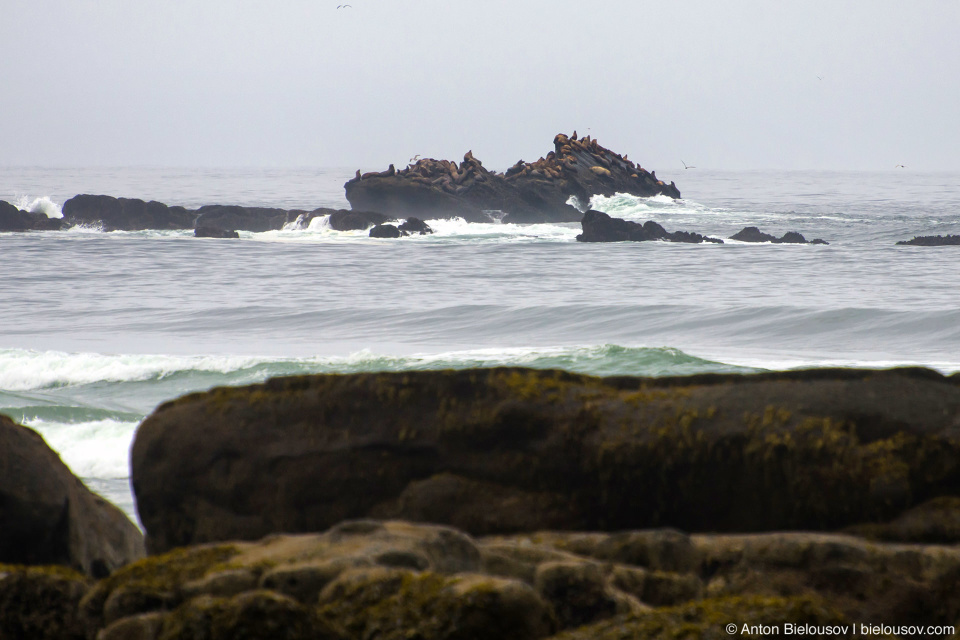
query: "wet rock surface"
13, 219
601, 227
753, 234
393, 580
47, 515
526, 192
124, 214
214, 232
500, 450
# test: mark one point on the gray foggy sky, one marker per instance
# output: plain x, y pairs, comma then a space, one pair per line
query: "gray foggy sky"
299, 83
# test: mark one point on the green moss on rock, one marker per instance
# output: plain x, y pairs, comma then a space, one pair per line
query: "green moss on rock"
41, 603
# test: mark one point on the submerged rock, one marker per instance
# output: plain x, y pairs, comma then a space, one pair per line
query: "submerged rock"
526, 192
753, 234
124, 214
932, 241
14, 219
214, 232
47, 516
500, 450
600, 227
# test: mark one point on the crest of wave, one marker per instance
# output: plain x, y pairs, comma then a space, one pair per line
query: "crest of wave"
40, 205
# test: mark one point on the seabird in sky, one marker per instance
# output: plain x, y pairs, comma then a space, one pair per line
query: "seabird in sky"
685, 165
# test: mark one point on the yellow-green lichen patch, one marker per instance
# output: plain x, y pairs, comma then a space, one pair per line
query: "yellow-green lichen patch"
41, 602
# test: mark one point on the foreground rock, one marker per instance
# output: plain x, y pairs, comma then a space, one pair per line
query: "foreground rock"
600, 227
932, 241
397, 580
753, 234
13, 219
526, 192
124, 214
47, 516
505, 450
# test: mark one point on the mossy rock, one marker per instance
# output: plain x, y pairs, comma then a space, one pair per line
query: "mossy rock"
395, 604
41, 603
936, 521
708, 619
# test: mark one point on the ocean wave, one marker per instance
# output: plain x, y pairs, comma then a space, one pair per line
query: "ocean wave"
24, 370
95, 449
42, 204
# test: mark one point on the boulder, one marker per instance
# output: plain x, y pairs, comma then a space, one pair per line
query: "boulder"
47, 515
347, 220
41, 603
214, 232
236, 218
385, 231
527, 192
124, 214
753, 234
601, 227
413, 225
499, 450
13, 219
932, 241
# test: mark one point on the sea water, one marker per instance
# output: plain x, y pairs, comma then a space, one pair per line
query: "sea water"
97, 329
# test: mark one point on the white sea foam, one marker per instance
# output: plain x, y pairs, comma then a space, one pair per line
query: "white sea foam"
97, 449
40, 205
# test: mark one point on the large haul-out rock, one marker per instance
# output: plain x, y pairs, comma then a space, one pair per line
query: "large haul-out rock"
526, 192
47, 516
501, 450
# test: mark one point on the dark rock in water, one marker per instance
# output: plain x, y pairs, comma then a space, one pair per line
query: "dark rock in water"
124, 214
527, 192
385, 231
600, 227
932, 241
415, 225
235, 218
214, 232
13, 219
500, 450
47, 516
347, 220
753, 234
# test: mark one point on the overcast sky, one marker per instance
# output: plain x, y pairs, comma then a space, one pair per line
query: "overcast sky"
864, 84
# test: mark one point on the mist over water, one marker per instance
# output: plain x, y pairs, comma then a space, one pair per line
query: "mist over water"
96, 329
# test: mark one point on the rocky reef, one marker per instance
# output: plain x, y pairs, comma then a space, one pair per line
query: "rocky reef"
601, 227
932, 241
13, 219
526, 192
753, 234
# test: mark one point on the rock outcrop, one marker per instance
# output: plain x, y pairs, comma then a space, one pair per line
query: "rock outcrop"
47, 516
504, 450
600, 227
14, 219
932, 241
526, 192
395, 580
753, 234
385, 231
236, 218
124, 214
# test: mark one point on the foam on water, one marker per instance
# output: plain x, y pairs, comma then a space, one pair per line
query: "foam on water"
97, 449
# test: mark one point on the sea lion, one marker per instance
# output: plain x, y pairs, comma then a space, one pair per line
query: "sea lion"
358, 176
391, 170
574, 136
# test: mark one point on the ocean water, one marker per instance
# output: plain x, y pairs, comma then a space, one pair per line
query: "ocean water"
97, 329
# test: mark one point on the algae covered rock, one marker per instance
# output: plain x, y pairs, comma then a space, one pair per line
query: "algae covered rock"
41, 603
505, 450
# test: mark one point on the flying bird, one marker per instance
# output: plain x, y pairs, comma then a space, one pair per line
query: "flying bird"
415, 158
819, 77
685, 165
344, 6
900, 166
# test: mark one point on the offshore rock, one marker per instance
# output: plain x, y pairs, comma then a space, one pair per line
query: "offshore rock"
385, 231
527, 192
348, 220
14, 219
47, 516
214, 232
413, 225
394, 580
236, 218
932, 241
753, 234
501, 450
600, 227
124, 214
